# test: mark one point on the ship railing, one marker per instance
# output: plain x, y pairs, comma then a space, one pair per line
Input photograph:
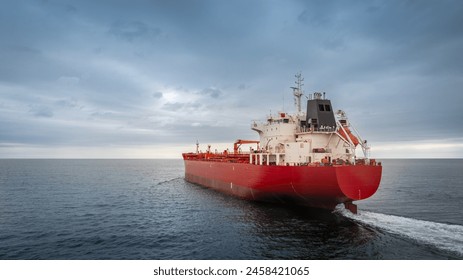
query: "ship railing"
218, 156
305, 129
267, 158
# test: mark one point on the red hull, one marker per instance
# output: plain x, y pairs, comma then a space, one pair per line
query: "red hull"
314, 186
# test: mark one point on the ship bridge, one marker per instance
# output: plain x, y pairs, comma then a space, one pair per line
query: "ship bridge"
317, 136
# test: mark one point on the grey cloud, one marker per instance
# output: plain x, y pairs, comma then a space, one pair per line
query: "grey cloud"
68, 103
319, 13
406, 31
157, 95
41, 111
68, 81
22, 50
20, 62
70, 8
132, 30
180, 106
415, 22
242, 87
211, 92
385, 63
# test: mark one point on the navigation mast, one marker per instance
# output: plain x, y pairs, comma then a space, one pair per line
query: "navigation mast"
297, 92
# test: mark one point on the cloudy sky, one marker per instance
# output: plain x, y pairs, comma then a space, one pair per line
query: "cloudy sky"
121, 79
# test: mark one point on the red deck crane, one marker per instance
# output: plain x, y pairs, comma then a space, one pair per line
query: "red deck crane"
239, 142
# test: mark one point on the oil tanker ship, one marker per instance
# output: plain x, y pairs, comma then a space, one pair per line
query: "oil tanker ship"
306, 158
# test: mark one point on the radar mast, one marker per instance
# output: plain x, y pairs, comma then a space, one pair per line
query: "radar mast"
297, 92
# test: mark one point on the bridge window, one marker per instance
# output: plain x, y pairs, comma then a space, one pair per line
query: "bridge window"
321, 107
327, 107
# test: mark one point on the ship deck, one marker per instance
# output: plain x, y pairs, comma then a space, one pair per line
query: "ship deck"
244, 158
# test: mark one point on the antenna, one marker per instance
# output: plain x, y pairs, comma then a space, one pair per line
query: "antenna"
297, 92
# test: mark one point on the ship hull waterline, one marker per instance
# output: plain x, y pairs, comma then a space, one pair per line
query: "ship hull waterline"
312, 186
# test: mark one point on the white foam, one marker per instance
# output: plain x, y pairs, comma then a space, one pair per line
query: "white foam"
442, 236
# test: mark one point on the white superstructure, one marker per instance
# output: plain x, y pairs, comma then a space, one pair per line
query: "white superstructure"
316, 137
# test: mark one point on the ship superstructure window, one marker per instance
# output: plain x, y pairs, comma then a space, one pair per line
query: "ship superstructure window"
321, 107
327, 108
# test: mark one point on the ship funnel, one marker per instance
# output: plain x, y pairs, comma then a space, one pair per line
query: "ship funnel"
320, 114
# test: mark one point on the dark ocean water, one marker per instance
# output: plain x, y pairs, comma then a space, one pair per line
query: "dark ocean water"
143, 209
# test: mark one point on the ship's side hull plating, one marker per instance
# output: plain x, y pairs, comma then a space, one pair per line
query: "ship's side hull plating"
314, 186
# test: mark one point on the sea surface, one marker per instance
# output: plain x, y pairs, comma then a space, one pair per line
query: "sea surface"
144, 209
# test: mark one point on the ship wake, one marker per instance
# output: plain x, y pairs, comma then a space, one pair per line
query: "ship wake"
442, 236
168, 181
